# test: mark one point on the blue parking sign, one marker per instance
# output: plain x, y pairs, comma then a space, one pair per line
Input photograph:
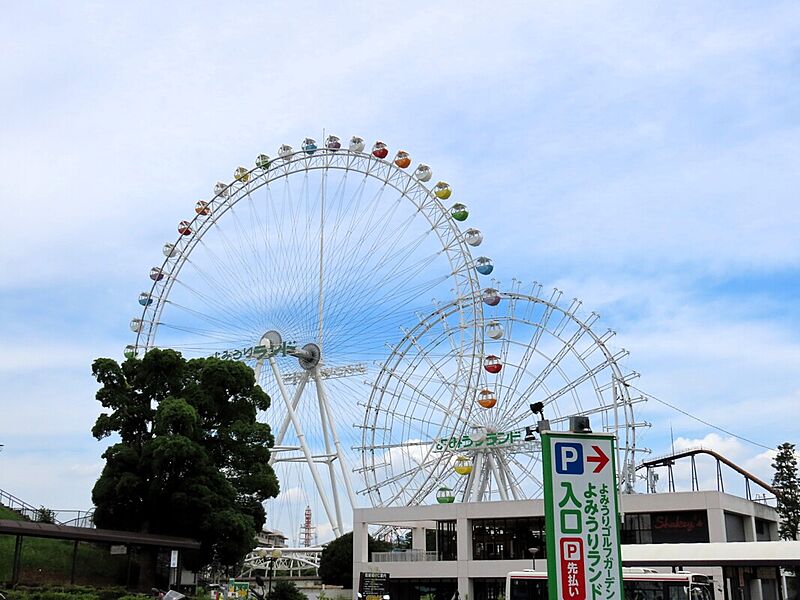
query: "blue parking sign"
569, 458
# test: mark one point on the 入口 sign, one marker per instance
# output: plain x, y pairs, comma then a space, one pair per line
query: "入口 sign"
582, 517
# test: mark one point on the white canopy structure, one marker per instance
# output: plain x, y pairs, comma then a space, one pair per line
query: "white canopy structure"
750, 554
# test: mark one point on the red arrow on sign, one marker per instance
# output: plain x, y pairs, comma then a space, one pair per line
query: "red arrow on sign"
600, 458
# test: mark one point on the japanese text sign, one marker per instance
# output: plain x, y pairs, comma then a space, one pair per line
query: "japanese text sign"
582, 516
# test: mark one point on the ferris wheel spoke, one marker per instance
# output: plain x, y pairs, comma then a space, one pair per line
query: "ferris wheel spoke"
386, 483
205, 300
234, 257
568, 346
219, 289
533, 345
224, 323
362, 274
525, 471
409, 444
587, 375
245, 232
204, 333
411, 420
405, 381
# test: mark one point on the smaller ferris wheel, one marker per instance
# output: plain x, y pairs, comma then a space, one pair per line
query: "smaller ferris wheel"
483, 445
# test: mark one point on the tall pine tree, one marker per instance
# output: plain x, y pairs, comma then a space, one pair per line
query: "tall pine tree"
787, 488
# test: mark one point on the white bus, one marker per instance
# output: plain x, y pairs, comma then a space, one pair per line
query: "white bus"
638, 584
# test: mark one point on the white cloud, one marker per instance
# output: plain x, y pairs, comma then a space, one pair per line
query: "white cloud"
629, 153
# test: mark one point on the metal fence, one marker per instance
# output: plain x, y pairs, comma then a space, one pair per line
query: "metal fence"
41, 514
405, 556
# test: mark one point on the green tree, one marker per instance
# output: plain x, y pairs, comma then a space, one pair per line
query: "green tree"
336, 561
45, 515
191, 460
787, 489
286, 590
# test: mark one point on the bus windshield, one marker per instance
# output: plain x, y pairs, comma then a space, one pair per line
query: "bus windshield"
666, 590
530, 588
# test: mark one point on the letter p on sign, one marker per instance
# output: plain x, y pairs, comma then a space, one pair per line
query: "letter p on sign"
569, 458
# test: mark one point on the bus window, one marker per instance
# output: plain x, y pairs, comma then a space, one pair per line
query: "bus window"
644, 590
678, 591
528, 589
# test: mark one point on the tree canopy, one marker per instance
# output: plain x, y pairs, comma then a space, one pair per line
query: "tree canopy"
336, 561
191, 459
787, 489
286, 590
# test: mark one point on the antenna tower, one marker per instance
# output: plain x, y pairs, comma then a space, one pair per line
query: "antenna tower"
308, 533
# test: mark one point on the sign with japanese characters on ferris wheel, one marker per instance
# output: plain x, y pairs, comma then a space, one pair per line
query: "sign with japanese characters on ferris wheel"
582, 517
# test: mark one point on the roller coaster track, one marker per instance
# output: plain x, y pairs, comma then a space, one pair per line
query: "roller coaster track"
690, 453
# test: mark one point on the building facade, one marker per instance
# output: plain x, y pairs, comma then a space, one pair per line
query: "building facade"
470, 547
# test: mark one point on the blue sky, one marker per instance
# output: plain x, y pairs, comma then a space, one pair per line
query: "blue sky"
642, 157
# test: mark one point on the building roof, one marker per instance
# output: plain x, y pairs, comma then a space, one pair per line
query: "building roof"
86, 534
752, 554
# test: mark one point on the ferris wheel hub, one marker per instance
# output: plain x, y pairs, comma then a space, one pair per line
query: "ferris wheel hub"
308, 356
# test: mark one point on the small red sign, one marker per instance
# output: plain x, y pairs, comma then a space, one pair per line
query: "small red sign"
573, 577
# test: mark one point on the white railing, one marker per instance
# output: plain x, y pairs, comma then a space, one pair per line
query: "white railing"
405, 556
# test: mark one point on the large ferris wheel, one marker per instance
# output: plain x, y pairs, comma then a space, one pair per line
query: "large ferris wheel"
396, 369
307, 267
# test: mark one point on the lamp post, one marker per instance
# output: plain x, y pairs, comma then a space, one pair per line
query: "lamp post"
274, 555
533, 550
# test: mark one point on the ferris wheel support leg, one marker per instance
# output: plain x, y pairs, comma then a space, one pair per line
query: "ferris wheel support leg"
306, 450
339, 453
285, 425
503, 479
616, 426
465, 494
323, 416
497, 477
295, 401
477, 476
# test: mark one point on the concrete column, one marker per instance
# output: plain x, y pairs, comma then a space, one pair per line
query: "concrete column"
418, 538
755, 589
360, 549
716, 525
464, 555
749, 528
464, 539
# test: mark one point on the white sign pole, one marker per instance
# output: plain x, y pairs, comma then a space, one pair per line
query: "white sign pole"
582, 517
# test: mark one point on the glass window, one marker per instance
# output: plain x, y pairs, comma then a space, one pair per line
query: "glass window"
508, 539
489, 589
665, 527
678, 591
643, 590
528, 589
446, 540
